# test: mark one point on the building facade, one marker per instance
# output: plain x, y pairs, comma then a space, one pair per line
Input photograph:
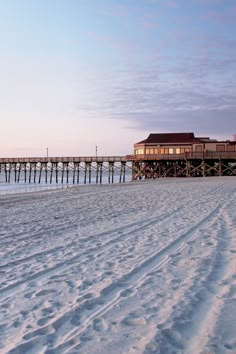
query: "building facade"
180, 143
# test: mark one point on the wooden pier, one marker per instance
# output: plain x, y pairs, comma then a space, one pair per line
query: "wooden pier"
189, 164
73, 170
108, 169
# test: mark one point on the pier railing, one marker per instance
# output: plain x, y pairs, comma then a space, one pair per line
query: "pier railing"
143, 157
185, 156
63, 159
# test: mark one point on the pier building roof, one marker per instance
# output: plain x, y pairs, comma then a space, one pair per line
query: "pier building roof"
170, 138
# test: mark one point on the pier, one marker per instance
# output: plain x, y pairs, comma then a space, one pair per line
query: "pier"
108, 169
62, 170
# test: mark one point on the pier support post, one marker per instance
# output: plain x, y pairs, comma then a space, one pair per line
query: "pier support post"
45, 172
74, 171
40, 172
67, 172
18, 177
220, 168
57, 172
9, 172
62, 172
203, 168
122, 172
100, 177
51, 172
30, 170
111, 172
90, 171
99, 172
78, 171
25, 171
15, 170
35, 172
85, 172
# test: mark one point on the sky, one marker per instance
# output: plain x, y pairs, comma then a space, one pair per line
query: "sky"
81, 74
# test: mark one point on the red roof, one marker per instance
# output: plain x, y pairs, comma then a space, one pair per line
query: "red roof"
170, 138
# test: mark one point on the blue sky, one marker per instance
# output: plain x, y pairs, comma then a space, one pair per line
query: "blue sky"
76, 74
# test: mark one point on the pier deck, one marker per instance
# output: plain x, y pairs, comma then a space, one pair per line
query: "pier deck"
65, 169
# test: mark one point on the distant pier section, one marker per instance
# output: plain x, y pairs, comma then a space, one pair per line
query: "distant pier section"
74, 170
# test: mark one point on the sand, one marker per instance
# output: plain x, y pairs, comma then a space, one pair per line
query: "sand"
142, 267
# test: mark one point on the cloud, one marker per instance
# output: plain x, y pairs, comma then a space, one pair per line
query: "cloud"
181, 79
191, 94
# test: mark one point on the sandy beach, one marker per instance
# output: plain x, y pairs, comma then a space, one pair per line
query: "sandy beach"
141, 267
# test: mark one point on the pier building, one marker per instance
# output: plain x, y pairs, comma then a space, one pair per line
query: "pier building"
182, 155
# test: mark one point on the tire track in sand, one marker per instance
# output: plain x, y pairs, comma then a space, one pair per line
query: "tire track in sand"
115, 292
211, 306
59, 267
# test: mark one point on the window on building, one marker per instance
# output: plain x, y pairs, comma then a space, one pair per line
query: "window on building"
171, 151
177, 150
139, 152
